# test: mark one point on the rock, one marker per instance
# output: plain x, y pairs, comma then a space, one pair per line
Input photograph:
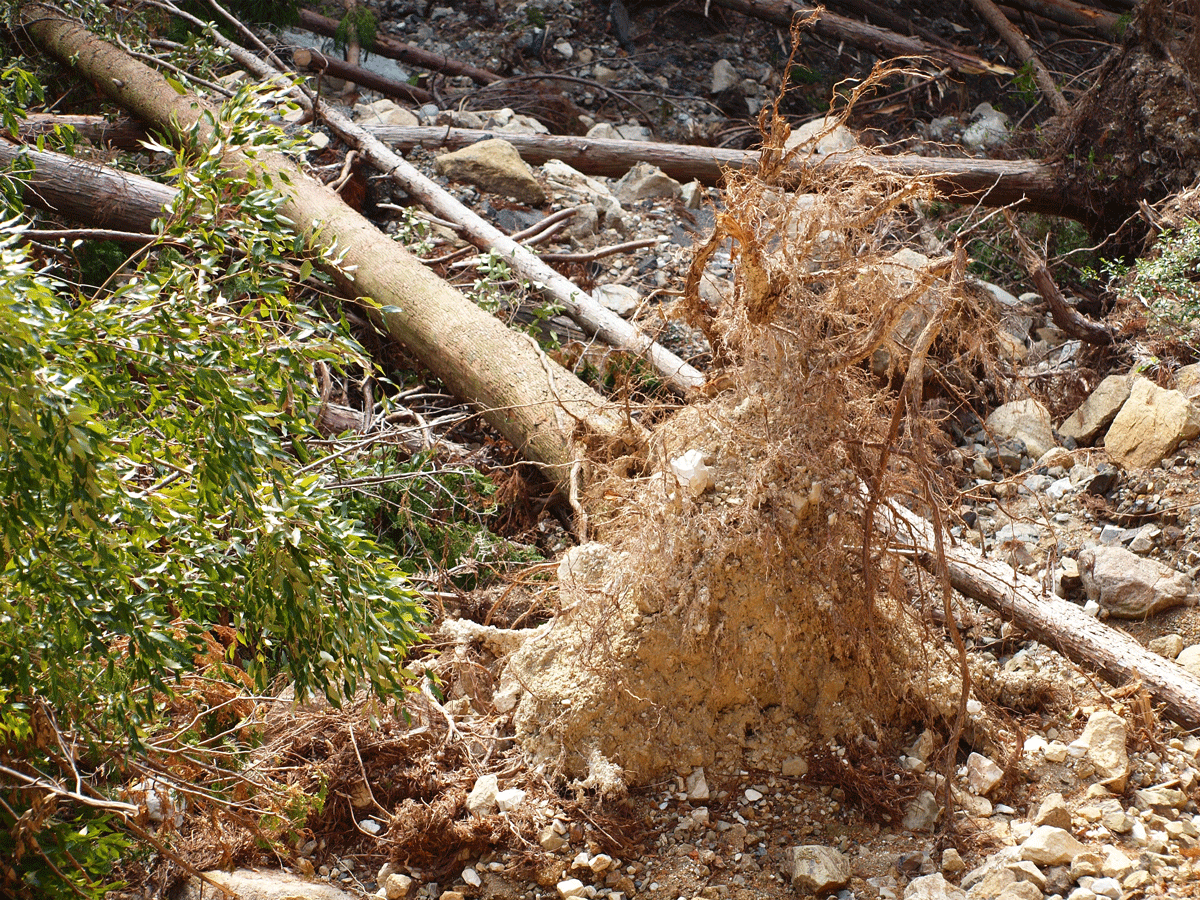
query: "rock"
1116, 864
821, 137
510, 800
1187, 381
471, 877
1129, 586
1020, 890
693, 195
815, 869
606, 131
397, 886
1151, 424
1160, 798
724, 76
1056, 456
385, 112
982, 774
496, 166
1170, 646
452, 895
794, 767
934, 887
1103, 741
697, 787
646, 182
1023, 420
1053, 812
1189, 658
952, 861
572, 887
1098, 410
988, 128
253, 884
620, 298
550, 840
561, 176
922, 813
482, 799
1050, 846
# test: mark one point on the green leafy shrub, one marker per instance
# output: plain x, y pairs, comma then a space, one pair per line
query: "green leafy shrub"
158, 486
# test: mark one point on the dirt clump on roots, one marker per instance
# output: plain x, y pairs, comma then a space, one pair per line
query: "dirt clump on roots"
736, 583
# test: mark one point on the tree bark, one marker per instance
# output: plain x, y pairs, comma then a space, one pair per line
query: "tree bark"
533, 402
88, 192
1056, 623
1030, 186
394, 49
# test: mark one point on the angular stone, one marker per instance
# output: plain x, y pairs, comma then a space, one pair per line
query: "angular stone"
385, 112
1189, 658
1103, 740
952, 861
697, 786
496, 166
922, 813
1053, 811
1050, 846
1151, 424
482, 799
620, 298
1116, 864
572, 887
1098, 410
550, 840
816, 869
646, 182
933, 887
255, 884
724, 76
397, 886
1169, 645
1129, 586
1023, 420
1020, 890
982, 774
820, 137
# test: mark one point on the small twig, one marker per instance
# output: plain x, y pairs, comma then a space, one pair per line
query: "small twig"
347, 170
599, 253
92, 234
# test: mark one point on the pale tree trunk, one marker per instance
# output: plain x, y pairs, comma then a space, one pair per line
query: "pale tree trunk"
537, 405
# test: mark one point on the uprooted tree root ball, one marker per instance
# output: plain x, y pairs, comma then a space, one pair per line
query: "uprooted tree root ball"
741, 582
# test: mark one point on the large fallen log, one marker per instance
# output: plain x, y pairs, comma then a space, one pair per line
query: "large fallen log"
88, 192
537, 405
1056, 623
1029, 185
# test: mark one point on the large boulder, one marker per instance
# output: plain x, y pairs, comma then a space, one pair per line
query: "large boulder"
1098, 410
1023, 420
1129, 586
495, 166
1151, 424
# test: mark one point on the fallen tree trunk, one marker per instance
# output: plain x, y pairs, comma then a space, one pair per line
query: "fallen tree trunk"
879, 41
394, 49
310, 60
537, 405
123, 133
88, 192
1056, 623
1030, 186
